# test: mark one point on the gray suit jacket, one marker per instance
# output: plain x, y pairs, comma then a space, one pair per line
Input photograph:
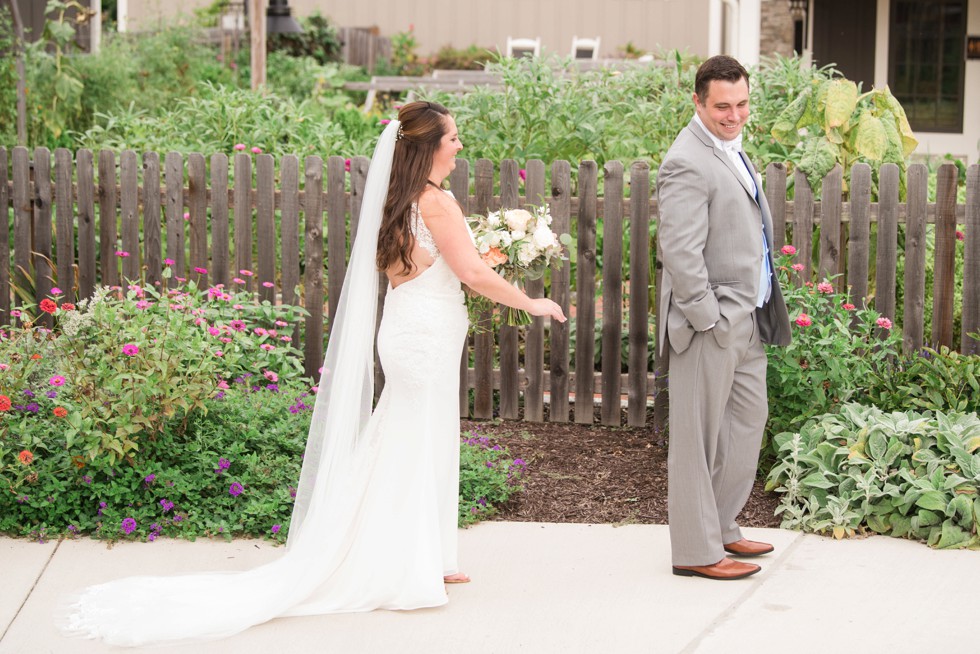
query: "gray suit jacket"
711, 247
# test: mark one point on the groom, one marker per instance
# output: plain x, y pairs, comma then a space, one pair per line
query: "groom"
720, 301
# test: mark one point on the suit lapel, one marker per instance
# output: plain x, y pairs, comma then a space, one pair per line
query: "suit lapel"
722, 157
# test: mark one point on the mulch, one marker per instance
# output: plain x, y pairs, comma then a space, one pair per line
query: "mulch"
595, 474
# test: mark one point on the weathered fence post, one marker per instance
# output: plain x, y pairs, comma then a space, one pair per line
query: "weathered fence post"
859, 234
971, 264
886, 258
585, 295
639, 292
152, 237
509, 199
313, 264
534, 339
483, 340
612, 294
915, 257
803, 225
944, 269
561, 212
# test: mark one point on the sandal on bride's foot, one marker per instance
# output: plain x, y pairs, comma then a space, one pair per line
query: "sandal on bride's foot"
456, 578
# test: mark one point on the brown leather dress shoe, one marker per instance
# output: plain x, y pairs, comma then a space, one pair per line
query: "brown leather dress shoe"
724, 570
746, 547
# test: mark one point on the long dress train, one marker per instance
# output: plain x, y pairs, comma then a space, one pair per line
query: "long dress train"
380, 528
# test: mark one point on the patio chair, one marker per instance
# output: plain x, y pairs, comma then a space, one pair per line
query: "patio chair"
524, 47
585, 48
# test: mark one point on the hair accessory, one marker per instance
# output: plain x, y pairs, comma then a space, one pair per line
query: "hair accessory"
401, 134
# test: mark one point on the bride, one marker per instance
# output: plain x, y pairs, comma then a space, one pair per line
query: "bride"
375, 520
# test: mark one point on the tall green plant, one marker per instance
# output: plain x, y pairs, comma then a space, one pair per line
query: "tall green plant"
831, 123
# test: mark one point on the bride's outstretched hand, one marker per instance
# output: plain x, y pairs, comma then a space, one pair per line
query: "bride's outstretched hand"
545, 307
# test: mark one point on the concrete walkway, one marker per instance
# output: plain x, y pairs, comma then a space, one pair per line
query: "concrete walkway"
561, 588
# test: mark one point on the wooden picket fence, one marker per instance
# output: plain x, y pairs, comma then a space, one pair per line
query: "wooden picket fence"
257, 225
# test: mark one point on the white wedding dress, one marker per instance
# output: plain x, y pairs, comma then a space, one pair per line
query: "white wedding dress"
379, 531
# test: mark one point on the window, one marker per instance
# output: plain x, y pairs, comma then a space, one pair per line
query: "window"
926, 62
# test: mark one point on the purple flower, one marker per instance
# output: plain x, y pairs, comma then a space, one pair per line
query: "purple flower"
167, 505
519, 463
152, 537
32, 407
276, 528
128, 525
489, 464
149, 478
86, 479
28, 392
52, 394
72, 528
178, 518
235, 489
223, 464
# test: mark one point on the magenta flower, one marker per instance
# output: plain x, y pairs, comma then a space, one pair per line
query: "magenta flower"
57, 380
270, 375
246, 273
267, 347
131, 349
122, 254
239, 146
238, 280
149, 478
788, 249
959, 237
522, 173
128, 525
58, 291
347, 165
142, 304
200, 271
798, 267
276, 528
825, 287
884, 323
803, 320
219, 353
385, 121
256, 150
168, 262
847, 306
268, 284
237, 325
235, 489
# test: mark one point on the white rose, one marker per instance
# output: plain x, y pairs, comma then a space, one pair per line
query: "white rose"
484, 247
518, 219
543, 237
493, 219
505, 240
526, 254
517, 235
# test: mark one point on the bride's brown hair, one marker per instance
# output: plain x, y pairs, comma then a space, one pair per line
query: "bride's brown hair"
423, 124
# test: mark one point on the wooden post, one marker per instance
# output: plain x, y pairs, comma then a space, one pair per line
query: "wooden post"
915, 257
887, 255
129, 181
256, 21
197, 207
107, 218
483, 341
776, 196
803, 226
64, 205
265, 226
830, 219
639, 292
220, 252
174, 174
971, 264
86, 223
4, 241
945, 253
509, 392
585, 292
152, 241
534, 339
313, 267
859, 236
561, 208
612, 294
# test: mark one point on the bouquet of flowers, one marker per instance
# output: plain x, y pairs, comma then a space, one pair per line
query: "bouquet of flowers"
519, 245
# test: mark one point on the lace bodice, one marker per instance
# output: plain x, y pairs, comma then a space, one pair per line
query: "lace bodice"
422, 234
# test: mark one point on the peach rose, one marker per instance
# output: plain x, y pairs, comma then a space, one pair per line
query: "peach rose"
494, 257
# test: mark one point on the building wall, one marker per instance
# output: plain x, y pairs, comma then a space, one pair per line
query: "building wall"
777, 29
648, 24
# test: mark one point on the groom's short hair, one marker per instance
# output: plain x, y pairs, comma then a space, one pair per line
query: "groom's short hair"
719, 67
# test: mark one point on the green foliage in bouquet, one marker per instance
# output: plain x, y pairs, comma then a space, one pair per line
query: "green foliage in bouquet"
831, 123
911, 475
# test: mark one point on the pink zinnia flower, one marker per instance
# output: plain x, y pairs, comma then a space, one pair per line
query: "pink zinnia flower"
223, 384
57, 380
246, 273
256, 150
267, 347
131, 349
788, 249
239, 146
825, 287
214, 331
142, 304
238, 280
347, 165
803, 320
168, 262
237, 325
522, 173
200, 271
282, 323
225, 339
847, 306
56, 291
219, 353
270, 375
798, 267
122, 254
385, 121
268, 284
959, 237
286, 339
187, 215
884, 323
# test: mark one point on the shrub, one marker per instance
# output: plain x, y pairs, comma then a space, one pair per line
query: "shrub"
488, 476
319, 40
932, 380
912, 475
836, 349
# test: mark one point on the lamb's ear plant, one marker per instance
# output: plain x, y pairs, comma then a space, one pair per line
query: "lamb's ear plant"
911, 475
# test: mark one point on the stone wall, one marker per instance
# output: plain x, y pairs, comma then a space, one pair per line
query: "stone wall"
777, 29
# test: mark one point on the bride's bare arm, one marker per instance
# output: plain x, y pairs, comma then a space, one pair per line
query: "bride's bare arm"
444, 219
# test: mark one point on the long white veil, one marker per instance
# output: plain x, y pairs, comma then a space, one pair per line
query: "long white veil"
153, 610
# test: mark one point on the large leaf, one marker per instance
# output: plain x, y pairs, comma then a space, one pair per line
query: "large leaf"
909, 142
872, 139
818, 158
842, 97
933, 500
